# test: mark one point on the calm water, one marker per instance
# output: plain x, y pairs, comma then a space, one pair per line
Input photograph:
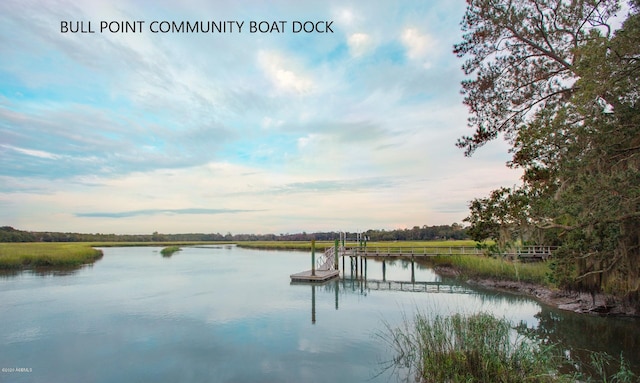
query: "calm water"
227, 314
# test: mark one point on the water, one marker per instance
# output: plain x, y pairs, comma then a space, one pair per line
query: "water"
227, 314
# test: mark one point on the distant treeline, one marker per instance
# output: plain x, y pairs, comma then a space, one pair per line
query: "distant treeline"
424, 233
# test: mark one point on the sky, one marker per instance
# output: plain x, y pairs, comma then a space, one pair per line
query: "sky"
351, 126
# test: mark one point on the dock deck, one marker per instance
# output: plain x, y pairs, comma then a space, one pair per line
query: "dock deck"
320, 276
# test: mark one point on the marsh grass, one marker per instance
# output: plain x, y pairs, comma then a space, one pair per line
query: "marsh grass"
14, 256
604, 368
483, 348
169, 251
471, 266
473, 348
284, 245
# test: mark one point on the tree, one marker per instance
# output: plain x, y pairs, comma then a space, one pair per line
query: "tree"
522, 54
503, 216
561, 85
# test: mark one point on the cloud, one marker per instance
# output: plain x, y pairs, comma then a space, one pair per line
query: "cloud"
282, 73
333, 185
134, 213
345, 16
359, 44
418, 45
280, 131
32, 153
56, 140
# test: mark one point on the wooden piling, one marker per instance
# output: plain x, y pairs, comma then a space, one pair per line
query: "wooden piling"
336, 253
313, 257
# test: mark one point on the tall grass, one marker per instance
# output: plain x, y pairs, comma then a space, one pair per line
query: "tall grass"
471, 266
15, 256
482, 348
284, 245
475, 348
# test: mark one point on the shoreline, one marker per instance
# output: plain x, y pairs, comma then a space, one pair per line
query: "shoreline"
578, 302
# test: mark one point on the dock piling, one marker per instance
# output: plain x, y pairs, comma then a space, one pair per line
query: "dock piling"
313, 257
336, 253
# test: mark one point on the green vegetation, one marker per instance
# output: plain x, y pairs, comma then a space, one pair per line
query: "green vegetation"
476, 348
168, 251
284, 245
483, 348
471, 266
33, 255
561, 82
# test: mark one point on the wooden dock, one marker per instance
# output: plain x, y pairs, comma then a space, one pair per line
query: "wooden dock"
325, 267
320, 276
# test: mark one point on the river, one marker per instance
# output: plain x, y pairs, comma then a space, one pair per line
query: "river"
227, 314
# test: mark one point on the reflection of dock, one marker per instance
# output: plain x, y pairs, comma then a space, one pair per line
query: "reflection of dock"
385, 285
338, 286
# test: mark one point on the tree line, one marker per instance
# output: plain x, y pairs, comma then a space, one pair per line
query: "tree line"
424, 233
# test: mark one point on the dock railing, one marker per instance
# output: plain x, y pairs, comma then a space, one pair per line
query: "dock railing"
326, 261
408, 251
525, 252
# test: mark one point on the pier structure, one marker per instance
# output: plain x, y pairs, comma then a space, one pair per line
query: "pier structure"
326, 266
358, 255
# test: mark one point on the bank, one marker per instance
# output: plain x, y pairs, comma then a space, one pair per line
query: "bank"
529, 279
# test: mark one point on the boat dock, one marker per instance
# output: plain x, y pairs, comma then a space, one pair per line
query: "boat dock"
326, 266
318, 276
322, 269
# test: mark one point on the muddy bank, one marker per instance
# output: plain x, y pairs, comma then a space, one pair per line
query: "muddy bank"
598, 304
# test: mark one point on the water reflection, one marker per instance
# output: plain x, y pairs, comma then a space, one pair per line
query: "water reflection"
226, 315
327, 286
580, 335
57, 271
421, 282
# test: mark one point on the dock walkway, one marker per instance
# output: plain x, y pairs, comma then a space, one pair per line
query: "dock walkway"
325, 267
320, 276
525, 252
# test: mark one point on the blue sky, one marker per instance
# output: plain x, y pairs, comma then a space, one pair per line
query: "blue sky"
238, 132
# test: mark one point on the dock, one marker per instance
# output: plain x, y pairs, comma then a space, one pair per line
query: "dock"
325, 267
320, 276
